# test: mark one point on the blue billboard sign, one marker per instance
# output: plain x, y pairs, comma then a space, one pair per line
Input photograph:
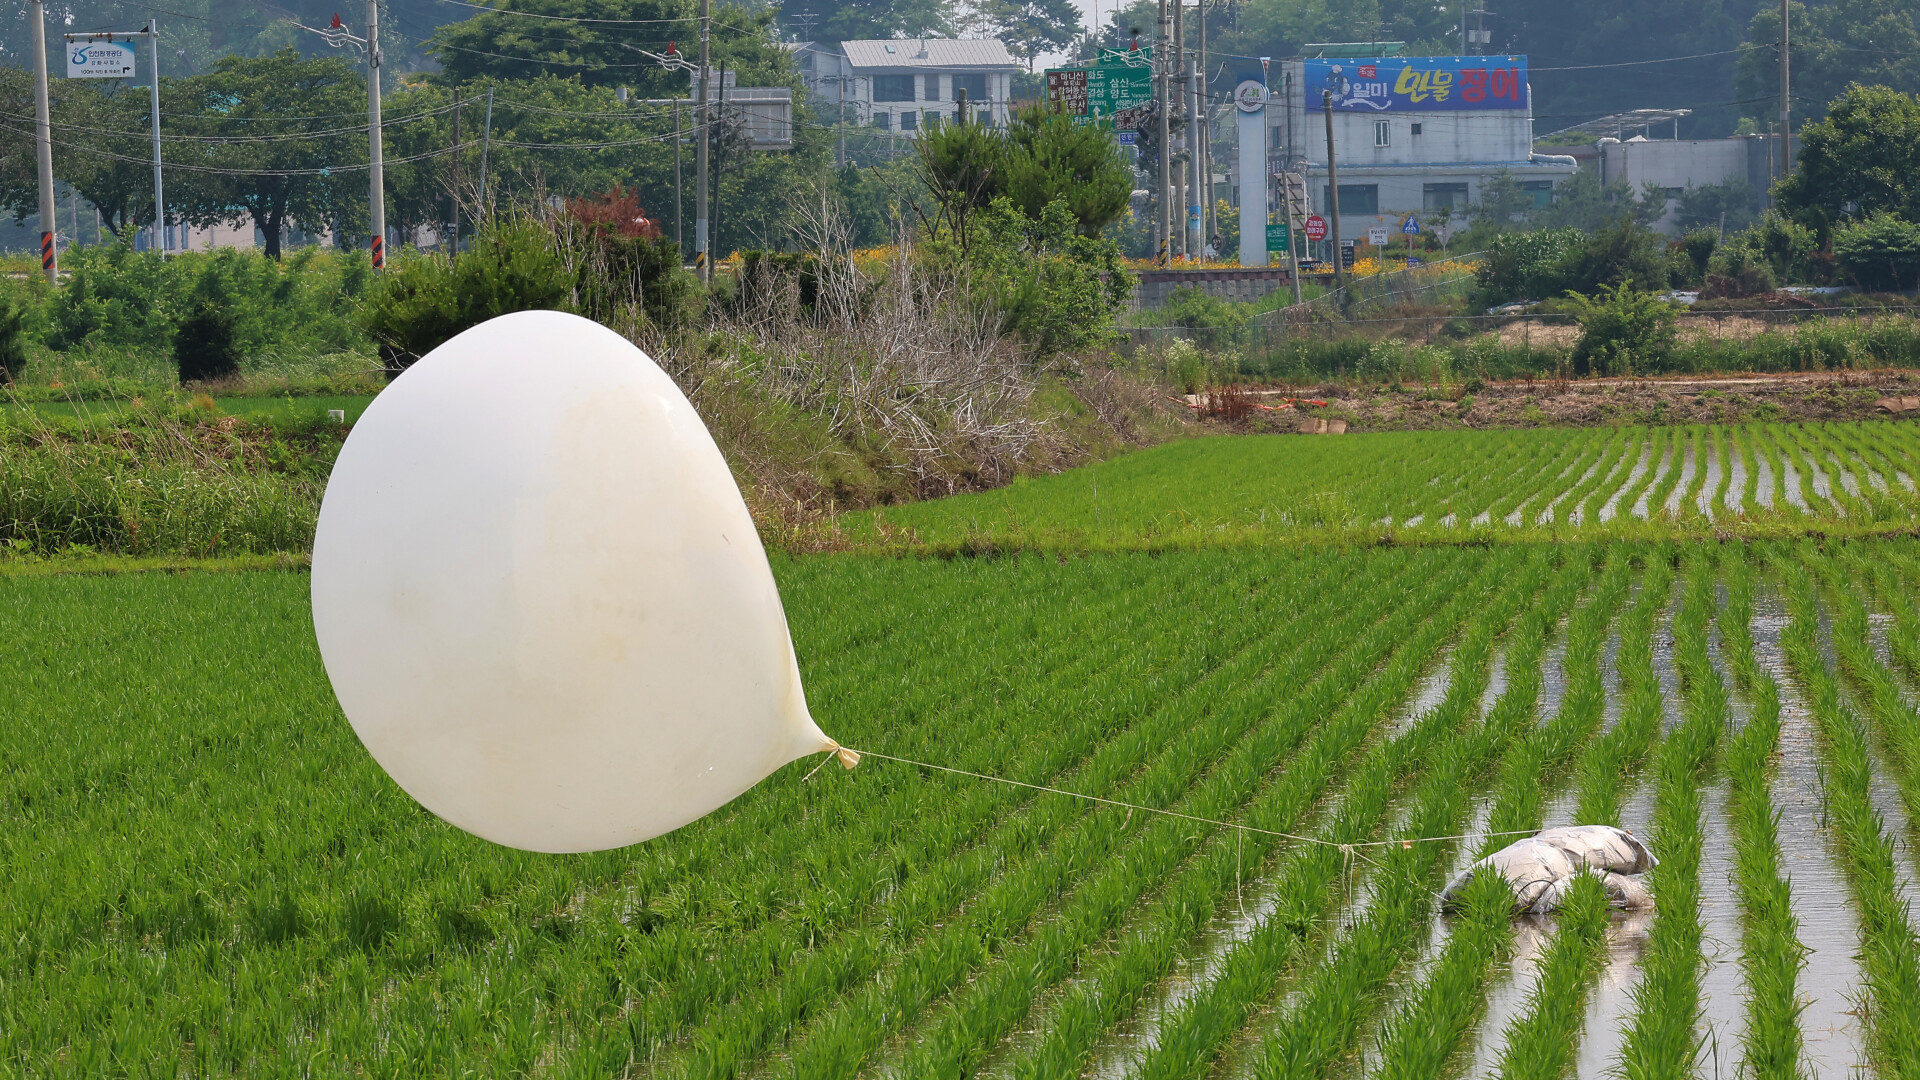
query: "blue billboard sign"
1418, 83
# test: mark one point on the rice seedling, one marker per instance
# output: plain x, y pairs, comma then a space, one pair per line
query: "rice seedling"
1890, 953
1770, 951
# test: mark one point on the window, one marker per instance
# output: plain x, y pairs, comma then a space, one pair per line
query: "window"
883, 121
893, 88
909, 120
1674, 192
1444, 196
930, 88
1415, 129
975, 87
1382, 132
1354, 199
1541, 191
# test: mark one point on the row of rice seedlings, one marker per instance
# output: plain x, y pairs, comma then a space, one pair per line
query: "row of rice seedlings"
1660, 1042
1527, 469
1770, 951
1883, 470
1894, 577
1583, 503
1555, 488
962, 1033
1748, 497
1335, 1000
853, 1029
1541, 1041
1728, 453
1829, 503
1875, 685
1429, 1029
1538, 480
1028, 849
1612, 761
1457, 489
1147, 951
1097, 657
1610, 500
1190, 1036
1888, 947
1638, 500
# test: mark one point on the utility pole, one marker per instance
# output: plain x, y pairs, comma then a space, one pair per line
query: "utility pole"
1333, 196
840, 155
43, 141
1177, 94
153, 83
456, 170
376, 171
1786, 128
679, 231
486, 145
1196, 188
1162, 46
702, 264
1206, 134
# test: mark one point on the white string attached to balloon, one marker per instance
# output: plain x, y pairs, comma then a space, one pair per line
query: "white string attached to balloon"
1348, 851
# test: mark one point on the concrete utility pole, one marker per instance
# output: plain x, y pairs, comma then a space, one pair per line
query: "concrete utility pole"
1786, 128
1333, 195
1206, 133
1162, 47
376, 170
1196, 151
43, 141
1177, 94
679, 232
456, 170
153, 83
703, 265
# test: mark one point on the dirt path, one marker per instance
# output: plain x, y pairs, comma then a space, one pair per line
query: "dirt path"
1588, 402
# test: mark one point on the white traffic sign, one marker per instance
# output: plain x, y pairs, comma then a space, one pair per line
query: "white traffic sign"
1377, 236
99, 60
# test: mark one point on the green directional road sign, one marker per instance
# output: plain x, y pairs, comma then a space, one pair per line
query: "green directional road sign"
1119, 92
1277, 239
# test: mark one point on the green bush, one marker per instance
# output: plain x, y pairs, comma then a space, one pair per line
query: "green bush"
1624, 255
1787, 248
513, 265
1623, 331
1689, 257
1881, 253
206, 347
1525, 265
13, 340
1054, 288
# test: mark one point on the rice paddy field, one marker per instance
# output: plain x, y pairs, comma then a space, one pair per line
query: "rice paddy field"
203, 874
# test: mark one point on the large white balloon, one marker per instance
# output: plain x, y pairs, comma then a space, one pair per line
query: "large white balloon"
541, 599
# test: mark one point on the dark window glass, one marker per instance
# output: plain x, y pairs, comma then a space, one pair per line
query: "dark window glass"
1354, 199
1444, 196
974, 85
893, 88
1541, 190
909, 121
883, 121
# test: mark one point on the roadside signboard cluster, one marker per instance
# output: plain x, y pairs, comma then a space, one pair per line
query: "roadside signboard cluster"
1117, 89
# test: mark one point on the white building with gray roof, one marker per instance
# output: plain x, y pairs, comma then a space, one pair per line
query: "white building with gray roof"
897, 85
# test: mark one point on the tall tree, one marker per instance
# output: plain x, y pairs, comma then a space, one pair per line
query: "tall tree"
1862, 159
859, 20
1871, 42
601, 43
275, 140
1032, 27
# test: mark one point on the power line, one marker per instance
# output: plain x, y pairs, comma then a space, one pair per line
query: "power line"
570, 18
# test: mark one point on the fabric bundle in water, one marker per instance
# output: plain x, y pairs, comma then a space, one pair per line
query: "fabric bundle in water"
1542, 868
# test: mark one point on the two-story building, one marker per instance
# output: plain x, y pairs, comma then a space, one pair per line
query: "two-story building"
897, 85
1418, 135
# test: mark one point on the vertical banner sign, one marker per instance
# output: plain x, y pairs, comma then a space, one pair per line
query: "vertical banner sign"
1419, 83
1250, 101
1278, 237
99, 60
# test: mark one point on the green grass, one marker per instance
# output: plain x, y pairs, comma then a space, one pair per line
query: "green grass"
201, 870
1432, 487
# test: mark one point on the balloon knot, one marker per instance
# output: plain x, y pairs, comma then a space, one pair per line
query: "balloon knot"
848, 758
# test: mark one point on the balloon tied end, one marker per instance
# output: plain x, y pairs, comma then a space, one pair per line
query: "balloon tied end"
847, 758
